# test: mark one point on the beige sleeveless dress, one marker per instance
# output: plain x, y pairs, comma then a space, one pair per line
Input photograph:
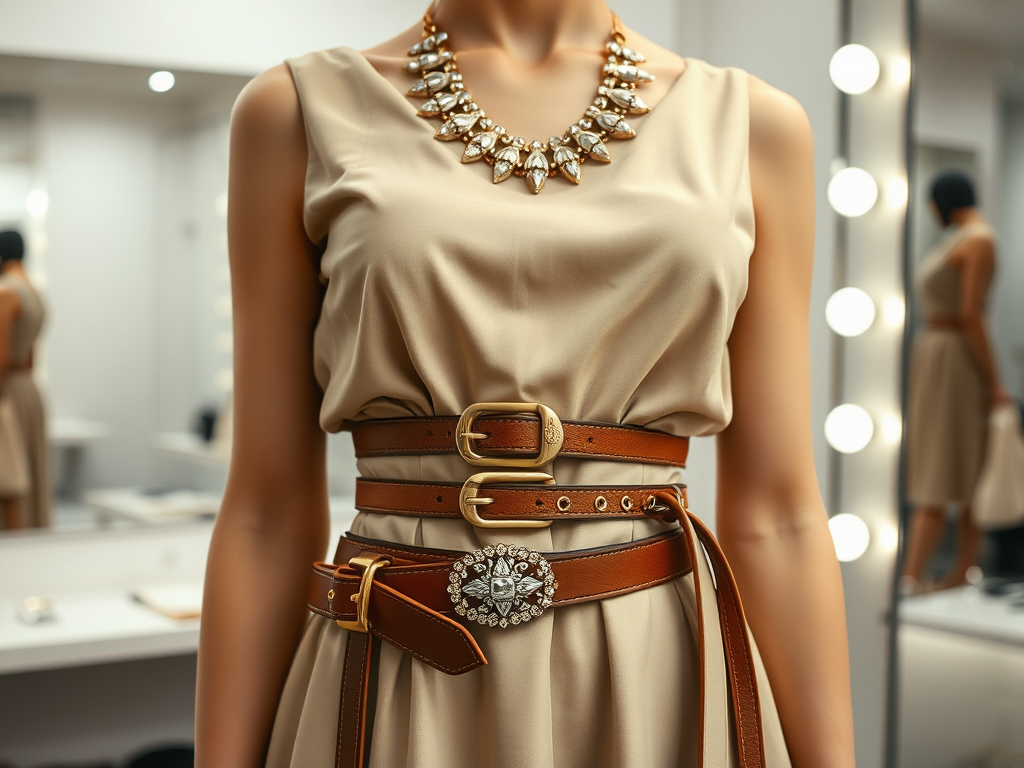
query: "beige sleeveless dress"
20, 389
611, 301
947, 413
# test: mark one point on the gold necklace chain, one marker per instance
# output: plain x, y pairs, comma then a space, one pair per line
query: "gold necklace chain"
448, 100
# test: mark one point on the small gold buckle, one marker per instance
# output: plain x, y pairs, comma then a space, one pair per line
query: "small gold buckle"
469, 500
551, 435
369, 564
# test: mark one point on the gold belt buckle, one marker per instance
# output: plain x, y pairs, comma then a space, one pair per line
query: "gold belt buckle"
469, 498
551, 435
370, 564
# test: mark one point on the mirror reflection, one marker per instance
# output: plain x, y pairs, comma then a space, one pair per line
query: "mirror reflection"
961, 633
113, 209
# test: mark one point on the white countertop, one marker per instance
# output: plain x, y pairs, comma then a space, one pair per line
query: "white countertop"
967, 611
89, 579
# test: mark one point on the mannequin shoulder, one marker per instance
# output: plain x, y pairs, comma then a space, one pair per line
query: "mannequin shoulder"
781, 145
267, 113
977, 248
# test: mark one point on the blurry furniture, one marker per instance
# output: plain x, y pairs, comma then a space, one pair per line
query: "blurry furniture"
70, 437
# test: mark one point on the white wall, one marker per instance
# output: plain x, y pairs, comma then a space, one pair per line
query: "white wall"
958, 104
1008, 291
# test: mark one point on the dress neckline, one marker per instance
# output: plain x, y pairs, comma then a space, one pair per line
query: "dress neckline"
375, 75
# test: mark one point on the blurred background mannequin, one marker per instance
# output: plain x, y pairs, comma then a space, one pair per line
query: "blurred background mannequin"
21, 319
953, 382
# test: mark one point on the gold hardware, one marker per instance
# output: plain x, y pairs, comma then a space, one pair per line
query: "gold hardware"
649, 502
551, 435
330, 595
369, 564
563, 503
600, 503
469, 499
626, 503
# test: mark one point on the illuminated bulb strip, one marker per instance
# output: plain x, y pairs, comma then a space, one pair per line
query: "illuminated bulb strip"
849, 312
852, 192
850, 537
854, 69
848, 428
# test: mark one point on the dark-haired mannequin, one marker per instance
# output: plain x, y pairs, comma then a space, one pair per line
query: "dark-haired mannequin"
21, 318
532, 63
953, 382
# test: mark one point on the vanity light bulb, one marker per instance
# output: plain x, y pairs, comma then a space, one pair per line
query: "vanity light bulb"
850, 537
848, 428
161, 81
852, 192
894, 310
849, 312
854, 69
37, 202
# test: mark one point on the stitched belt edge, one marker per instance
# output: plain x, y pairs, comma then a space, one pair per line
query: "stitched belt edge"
516, 435
512, 500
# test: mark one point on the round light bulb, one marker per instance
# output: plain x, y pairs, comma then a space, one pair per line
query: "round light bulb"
849, 312
852, 192
889, 537
37, 202
850, 537
161, 81
848, 428
854, 69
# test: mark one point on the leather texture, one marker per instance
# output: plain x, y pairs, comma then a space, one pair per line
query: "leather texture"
517, 436
409, 603
511, 500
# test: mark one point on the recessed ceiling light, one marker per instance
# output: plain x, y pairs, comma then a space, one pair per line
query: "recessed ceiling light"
161, 81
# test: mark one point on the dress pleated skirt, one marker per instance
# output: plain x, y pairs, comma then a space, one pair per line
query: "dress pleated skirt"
947, 419
610, 683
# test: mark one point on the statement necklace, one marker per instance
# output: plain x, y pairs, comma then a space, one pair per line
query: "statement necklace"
441, 81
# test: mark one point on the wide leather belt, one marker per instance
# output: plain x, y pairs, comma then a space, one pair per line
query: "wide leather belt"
499, 500
408, 596
515, 435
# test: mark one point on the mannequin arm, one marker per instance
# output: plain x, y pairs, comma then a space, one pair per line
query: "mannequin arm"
10, 305
771, 520
976, 260
273, 522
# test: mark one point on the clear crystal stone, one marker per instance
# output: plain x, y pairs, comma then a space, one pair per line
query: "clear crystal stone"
591, 144
628, 100
429, 43
416, 49
457, 124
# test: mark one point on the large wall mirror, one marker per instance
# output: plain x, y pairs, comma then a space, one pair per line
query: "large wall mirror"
960, 680
116, 178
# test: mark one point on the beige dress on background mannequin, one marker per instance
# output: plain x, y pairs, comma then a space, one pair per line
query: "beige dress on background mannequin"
947, 412
20, 389
612, 301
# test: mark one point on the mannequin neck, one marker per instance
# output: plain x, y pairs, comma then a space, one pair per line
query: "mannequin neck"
528, 30
963, 216
13, 267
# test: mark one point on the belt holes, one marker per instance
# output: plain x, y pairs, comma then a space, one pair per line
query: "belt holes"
600, 503
448, 433
626, 503
539, 502
590, 439
440, 499
649, 502
563, 504
430, 433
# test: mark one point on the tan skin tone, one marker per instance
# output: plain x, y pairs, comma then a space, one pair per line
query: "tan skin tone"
273, 522
976, 260
10, 307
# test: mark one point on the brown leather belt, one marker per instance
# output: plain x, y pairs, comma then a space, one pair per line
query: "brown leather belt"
407, 596
487, 503
515, 437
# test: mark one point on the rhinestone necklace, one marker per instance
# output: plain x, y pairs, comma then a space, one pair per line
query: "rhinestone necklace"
441, 81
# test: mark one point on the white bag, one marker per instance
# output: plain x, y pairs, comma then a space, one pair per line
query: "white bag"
999, 495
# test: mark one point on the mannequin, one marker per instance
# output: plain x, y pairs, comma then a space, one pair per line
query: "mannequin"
273, 522
21, 318
944, 454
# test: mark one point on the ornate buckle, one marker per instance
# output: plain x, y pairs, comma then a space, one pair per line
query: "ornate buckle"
369, 564
502, 584
551, 435
469, 500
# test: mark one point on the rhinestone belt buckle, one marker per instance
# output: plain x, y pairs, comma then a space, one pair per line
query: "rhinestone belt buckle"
502, 584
